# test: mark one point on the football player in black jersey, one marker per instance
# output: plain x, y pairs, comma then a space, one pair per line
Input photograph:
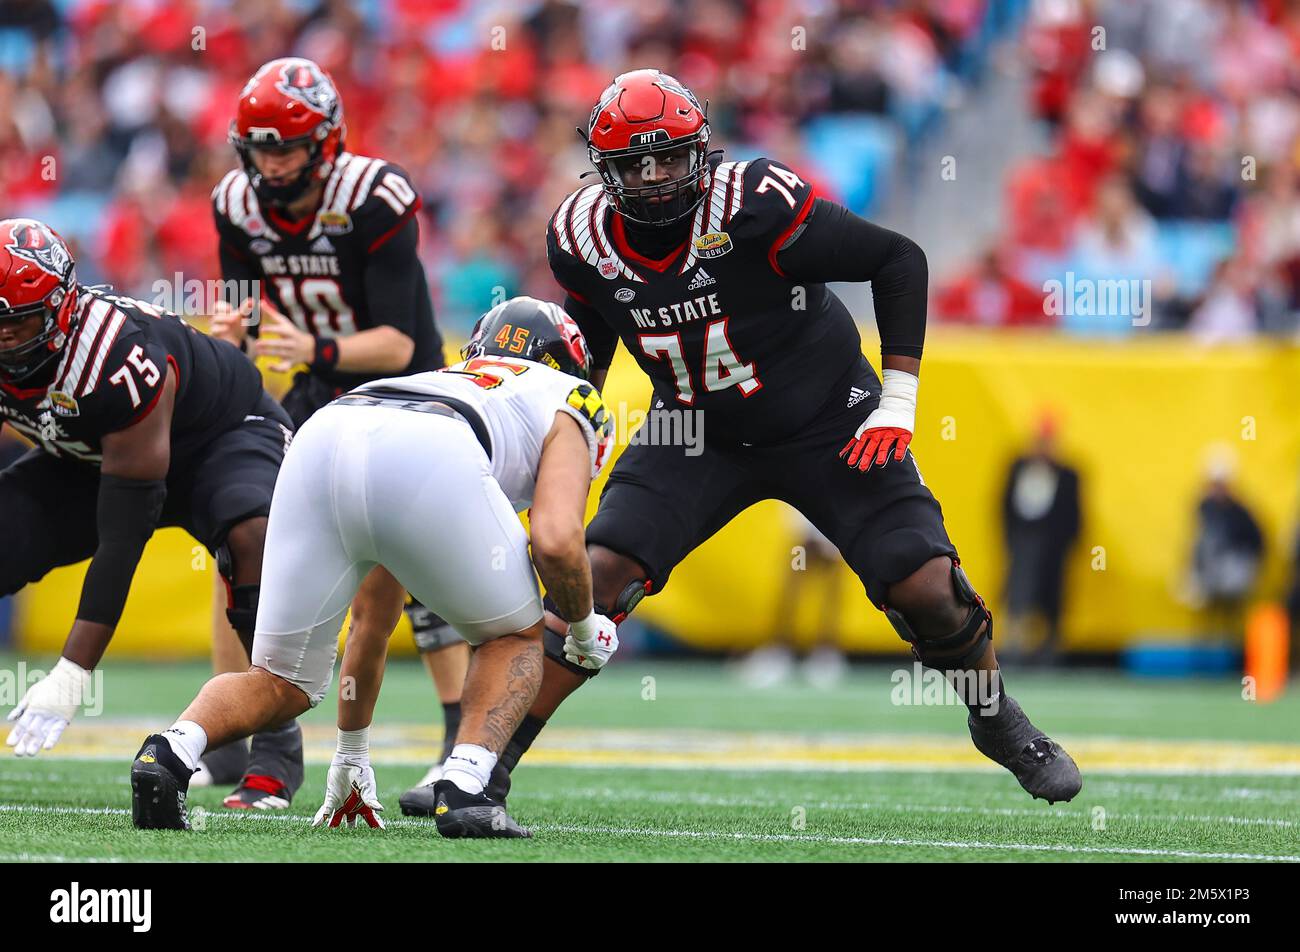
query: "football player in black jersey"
139, 421
713, 274
331, 238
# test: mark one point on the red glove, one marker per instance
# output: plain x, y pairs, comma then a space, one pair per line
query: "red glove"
888, 429
872, 445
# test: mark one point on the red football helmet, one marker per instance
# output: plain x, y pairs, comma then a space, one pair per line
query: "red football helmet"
37, 277
648, 113
289, 102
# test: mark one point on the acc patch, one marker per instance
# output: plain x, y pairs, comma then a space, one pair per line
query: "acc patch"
623, 295
63, 404
335, 223
260, 246
713, 245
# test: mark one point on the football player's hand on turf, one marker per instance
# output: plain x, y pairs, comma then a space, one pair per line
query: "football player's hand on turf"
887, 431
231, 323
350, 792
591, 642
47, 708
288, 344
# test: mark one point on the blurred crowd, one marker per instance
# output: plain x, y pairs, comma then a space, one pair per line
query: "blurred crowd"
114, 113
1172, 126
1175, 138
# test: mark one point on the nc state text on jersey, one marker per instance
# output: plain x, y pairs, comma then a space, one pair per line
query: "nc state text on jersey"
300, 264
680, 313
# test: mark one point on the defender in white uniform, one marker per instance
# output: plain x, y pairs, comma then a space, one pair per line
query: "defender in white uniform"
414, 483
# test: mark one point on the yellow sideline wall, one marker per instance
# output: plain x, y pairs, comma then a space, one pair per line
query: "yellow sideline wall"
1136, 418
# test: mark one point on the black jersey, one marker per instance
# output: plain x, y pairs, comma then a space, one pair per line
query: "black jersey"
350, 267
111, 375
716, 324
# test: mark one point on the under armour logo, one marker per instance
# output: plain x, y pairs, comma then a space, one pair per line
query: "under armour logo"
603, 639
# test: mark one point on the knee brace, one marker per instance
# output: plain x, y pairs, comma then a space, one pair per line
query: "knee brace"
553, 641
963, 647
428, 629
242, 613
241, 600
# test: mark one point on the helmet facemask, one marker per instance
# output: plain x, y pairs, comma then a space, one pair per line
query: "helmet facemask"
25, 360
288, 192
663, 203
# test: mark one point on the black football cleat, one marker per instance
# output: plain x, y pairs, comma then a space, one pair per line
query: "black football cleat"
1041, 765
472, 815
419, 800
159, 785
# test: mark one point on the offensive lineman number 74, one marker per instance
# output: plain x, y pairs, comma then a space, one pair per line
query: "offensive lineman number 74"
722, 368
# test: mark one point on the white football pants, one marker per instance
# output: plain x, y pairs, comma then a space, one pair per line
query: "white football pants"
366, 485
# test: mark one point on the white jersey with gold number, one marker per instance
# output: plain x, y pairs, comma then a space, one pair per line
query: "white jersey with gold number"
517, 400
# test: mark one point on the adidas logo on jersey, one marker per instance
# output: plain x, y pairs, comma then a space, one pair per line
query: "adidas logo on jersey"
857, 395
701, 280
323, 245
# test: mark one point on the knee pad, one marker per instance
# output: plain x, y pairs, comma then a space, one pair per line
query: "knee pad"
428, 629
553, 641
241, 610
627, 600
553, 648
963, 647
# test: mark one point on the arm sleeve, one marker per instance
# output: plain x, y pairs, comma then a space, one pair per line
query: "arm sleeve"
240, 275
236, 270
837, 245
600, 337
393, 278
127, 514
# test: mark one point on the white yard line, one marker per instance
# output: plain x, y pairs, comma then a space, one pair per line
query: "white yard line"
945, 844
649, 832
710, 800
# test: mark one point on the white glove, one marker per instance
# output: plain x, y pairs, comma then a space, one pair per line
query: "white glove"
47, 707
350, 792
591, 642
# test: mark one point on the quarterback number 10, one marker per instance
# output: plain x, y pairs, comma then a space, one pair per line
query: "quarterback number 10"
722, 368
149, 373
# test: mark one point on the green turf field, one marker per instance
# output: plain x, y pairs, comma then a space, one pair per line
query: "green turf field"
677, 761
